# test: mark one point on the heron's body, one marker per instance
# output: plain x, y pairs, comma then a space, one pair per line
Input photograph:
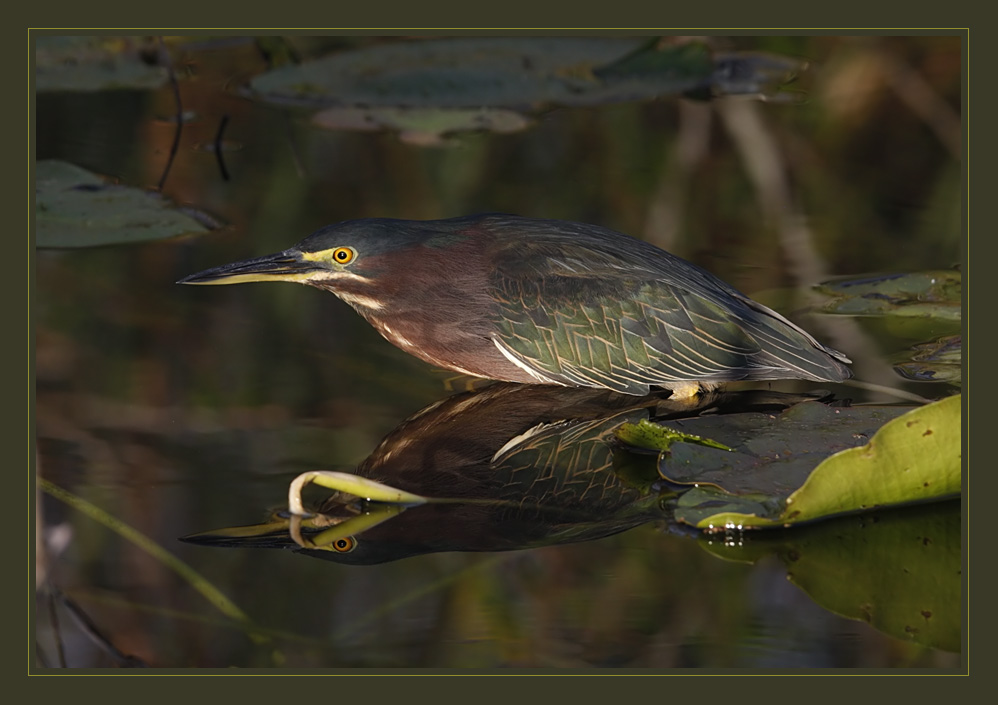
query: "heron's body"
544, 301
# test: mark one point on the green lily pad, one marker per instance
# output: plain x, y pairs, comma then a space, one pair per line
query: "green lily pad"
899, 571
924, 294
759, 453
917, 300
519, 73
653, 59
76, 208
810, 463
82, 63
936, 361
736, 73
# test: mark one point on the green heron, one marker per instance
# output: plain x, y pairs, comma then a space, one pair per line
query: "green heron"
545, 302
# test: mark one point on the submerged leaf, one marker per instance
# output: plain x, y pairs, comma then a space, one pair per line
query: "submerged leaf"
901, 578
899, 571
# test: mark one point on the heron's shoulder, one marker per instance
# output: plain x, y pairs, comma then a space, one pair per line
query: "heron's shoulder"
530, 247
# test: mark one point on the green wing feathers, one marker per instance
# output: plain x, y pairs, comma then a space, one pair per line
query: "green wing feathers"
630, 335
581, 305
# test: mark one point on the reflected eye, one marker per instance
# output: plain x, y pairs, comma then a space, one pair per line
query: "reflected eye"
343, 255
345, 544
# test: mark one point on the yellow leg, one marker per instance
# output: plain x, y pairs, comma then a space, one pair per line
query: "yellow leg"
684, 391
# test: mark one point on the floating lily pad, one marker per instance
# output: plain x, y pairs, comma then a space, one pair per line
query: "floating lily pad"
81, 63
810, 462
766, 76
736, 73
936, 361
931, 299
520, 73
771, 454
76, 208
926, 294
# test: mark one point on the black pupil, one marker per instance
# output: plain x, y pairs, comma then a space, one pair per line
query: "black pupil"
341, 255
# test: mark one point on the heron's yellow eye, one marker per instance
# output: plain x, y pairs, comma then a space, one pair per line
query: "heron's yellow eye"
345, 544
343, 255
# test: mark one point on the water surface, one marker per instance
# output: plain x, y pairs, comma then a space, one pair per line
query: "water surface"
179, 410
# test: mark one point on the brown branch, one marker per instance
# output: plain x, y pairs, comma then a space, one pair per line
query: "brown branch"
218, 147
180, 114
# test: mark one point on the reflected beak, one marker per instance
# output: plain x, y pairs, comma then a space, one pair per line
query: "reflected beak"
286, 266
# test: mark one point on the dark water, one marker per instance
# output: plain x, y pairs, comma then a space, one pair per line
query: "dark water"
178, 410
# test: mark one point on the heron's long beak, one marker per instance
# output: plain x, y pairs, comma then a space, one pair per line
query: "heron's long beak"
286, 266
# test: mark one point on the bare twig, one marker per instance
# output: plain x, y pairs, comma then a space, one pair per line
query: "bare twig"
218, 147
180, 114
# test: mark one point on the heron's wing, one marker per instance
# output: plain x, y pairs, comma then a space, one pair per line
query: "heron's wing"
624, 336
597, 321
